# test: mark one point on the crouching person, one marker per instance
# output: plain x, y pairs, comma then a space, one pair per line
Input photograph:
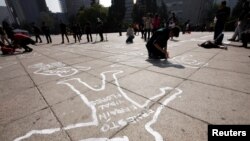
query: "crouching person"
157, 44
130, 34
21, 40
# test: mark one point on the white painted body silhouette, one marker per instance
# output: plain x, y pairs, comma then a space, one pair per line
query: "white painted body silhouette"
91, 104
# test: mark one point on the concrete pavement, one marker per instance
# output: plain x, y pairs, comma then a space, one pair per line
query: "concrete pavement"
111, 91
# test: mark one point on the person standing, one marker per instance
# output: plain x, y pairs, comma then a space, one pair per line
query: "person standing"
75, 32
221, 17
8, 29
46, 32
172, 22
3, 36
100, 28
147, 27
88, 31
186, 27
37, 33
141, 27
63, 28
242, 22
120, 29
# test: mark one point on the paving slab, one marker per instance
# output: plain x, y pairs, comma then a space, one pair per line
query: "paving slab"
167, 125
11, 70
94, 64
7, 58
144, 83
124, 71
213, 104
118, 58
32, 128
57, 91
181, 66
230, 80
96, 54
137, 62
230, 66
16, 84
233, 56
77, 60
20, 104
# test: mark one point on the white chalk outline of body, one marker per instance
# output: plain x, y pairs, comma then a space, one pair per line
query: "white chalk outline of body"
90, 104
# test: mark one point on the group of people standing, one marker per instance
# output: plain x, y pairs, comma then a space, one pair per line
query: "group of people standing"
242, 29
75, 29
12, 39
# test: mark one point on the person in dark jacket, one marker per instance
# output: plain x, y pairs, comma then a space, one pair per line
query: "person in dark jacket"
221, 17
8, 29
46, 32
37, 32
88, 31
3, 36
63, 28
75, 30
100, 28
157, 44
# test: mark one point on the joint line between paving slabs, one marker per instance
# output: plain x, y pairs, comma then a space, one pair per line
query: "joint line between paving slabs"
140, 113
45, 101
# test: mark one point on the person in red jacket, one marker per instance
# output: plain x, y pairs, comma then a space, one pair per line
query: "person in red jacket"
21, 40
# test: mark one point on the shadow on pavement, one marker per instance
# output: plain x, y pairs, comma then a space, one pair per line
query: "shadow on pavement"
164, 63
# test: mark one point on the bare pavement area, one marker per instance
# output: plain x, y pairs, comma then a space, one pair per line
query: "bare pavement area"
110, 91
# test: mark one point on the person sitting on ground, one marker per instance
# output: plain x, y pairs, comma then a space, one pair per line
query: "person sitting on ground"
157, 44
130, 34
